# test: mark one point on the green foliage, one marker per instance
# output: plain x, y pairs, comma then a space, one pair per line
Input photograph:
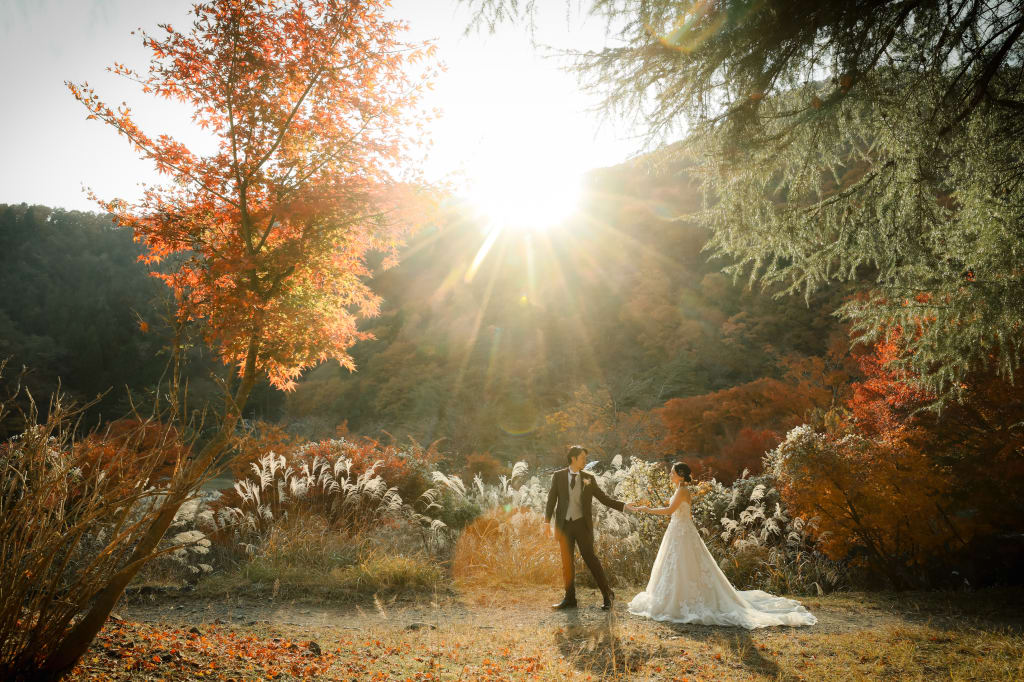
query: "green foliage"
469, 363
71, 298
454, 510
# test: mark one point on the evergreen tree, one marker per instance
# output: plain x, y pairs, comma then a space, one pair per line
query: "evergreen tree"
878, 141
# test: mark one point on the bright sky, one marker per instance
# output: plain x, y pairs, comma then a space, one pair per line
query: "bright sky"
510, 114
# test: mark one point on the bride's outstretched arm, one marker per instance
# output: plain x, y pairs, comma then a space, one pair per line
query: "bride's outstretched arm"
673, 504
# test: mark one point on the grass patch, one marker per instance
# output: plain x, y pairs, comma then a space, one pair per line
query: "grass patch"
384, 573
305, 559
368, 575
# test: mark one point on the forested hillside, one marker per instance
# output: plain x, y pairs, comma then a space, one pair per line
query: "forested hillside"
507, 347
77, 309
71, 297
580, 333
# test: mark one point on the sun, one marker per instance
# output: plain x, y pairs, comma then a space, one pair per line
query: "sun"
524, 196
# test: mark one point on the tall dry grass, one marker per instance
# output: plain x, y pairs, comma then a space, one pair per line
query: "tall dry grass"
70, 515
744, 524
326, 487
506, 548
310, 523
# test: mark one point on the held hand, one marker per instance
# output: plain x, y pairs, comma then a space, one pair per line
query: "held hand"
547, 530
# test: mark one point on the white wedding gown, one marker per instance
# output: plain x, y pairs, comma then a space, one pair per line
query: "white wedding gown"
687, 586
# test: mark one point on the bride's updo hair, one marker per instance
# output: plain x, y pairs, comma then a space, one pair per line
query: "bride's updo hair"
682, 470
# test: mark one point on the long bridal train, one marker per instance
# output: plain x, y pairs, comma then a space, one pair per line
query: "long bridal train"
687, 586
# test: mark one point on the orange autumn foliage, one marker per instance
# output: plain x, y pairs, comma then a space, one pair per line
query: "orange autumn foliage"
745, 452
878, 501
126, 447
726, 429
592, 417
729, 431
407, 470
263, 439
979, 439
314, 108
486, 465
903, 488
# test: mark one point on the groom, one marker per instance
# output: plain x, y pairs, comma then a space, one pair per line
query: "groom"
569, 500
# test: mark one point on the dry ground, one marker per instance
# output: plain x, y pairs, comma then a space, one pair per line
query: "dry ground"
496, 634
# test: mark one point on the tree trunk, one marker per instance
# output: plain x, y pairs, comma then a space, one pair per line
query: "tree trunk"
76, 642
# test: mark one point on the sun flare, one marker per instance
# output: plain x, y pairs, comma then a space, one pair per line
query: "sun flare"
524, 197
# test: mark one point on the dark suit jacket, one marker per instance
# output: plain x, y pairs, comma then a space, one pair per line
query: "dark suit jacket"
558, 498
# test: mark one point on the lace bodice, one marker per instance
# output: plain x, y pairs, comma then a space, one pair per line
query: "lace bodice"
682, 511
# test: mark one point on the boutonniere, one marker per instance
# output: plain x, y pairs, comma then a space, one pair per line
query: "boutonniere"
587, 481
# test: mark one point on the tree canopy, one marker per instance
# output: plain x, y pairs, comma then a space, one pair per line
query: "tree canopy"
313, 106
869, 140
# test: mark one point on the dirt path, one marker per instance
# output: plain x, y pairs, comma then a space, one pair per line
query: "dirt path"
494, 634
529, 608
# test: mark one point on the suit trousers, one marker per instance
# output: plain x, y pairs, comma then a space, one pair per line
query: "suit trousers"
576, 534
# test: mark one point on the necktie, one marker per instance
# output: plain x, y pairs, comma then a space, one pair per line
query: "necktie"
572, 482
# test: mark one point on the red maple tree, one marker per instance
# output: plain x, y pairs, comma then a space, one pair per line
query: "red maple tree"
730, 430
314, 106
311, 103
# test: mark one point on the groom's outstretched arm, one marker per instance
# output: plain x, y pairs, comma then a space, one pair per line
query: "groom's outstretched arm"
607, 501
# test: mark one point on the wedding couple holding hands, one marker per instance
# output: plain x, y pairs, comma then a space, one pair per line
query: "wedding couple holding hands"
686, 584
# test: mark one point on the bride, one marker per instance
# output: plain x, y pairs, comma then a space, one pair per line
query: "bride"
687, 586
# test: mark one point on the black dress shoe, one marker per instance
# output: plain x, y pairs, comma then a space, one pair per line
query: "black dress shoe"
607, 605
565, 604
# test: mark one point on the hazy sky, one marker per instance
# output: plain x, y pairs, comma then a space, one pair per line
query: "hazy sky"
506, 107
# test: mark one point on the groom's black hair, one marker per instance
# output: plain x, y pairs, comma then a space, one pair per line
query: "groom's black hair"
574, 451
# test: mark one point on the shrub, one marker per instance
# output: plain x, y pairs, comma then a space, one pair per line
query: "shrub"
628, 544
877, 501
70, 516
302, 556
745, 527
312, 466
323, 486
451, 498
407, 470
184, 551
258, 441
377, 572
484, 465
757, 544
454, 510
